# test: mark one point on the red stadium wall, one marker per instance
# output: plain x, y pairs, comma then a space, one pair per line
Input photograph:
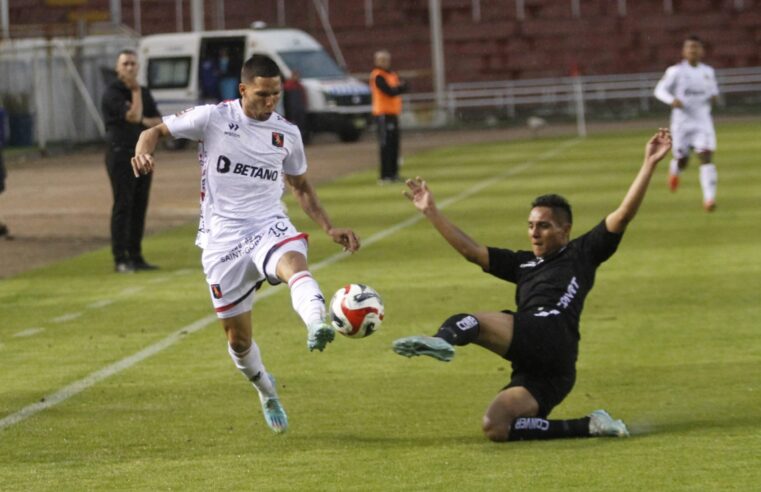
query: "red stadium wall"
549, 41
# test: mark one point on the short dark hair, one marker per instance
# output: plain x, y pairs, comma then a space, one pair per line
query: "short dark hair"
561, 209
127, 51
694, 37
259, 66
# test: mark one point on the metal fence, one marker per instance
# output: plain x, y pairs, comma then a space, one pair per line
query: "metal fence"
580, 98
51, 89
57, 85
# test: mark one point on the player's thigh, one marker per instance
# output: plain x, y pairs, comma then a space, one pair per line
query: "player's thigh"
232, 279
495, 331
290, 262
281, 251
508, 405
705, 145
681, 143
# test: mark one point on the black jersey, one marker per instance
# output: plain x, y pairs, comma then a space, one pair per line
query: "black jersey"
557, 285
115, 104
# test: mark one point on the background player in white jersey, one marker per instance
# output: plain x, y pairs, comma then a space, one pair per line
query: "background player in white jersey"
690, 88
248, 152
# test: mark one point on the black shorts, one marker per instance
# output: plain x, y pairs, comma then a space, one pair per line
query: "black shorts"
543, 353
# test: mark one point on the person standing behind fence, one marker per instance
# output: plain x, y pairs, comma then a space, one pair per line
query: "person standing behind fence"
690, 89
3, 228
387, 87
128, 109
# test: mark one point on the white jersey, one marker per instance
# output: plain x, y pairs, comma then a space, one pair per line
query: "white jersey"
242, 165
694, 87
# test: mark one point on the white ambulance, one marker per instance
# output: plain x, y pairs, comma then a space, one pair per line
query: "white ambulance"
187, 69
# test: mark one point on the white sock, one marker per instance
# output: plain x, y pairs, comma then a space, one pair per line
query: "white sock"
709, 178
250, 364
306, 297
674, 167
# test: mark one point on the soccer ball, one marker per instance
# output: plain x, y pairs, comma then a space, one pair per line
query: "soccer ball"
356, 310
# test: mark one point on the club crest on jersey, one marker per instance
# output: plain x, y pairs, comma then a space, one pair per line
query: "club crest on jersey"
216, 291
278, 139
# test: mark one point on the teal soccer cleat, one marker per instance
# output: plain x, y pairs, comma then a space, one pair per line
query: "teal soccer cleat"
319, 335
437, 348
274, 413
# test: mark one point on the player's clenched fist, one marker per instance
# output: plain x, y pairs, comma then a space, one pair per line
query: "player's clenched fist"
142, 164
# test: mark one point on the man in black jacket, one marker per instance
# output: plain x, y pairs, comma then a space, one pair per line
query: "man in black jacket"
128, 109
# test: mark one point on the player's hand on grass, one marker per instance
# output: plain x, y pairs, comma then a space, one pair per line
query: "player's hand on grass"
419, 194
142, 164
658, 146
345, 237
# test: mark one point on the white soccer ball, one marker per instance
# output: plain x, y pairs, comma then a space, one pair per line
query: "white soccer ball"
356, 310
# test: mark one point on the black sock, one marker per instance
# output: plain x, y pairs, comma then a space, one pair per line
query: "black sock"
530, 428
460, 329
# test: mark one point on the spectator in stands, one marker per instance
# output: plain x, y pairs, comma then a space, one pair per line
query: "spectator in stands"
387, 87
128, 109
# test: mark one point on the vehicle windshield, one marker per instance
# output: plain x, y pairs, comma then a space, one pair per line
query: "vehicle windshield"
168, 73
312, 64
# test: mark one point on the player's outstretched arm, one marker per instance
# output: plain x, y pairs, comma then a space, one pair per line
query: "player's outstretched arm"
310, 204
142, 162
655, 150
420, 196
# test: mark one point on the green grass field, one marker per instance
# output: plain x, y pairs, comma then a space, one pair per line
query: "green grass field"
670, 344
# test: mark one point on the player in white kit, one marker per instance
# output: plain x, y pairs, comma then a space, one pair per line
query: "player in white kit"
690, 88
248, 152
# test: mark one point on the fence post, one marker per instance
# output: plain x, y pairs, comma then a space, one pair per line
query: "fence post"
578, 89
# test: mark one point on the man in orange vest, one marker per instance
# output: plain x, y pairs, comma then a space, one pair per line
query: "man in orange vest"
387, 105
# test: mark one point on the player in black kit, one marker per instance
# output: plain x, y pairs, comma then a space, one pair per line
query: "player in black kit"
541, 338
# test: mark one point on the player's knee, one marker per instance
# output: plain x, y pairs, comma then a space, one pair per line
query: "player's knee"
460, 329
495, 431
239, 345
239, 341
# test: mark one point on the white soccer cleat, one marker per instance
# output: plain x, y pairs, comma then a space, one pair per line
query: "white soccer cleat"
601, 424
319, 335
435, 347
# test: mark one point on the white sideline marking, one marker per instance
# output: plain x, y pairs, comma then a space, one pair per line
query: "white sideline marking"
78, 386
129, 291
100, 304
66, 317
28, 332
158, 280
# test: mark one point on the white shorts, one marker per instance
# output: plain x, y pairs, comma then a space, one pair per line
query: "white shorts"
698, 139
235, 274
